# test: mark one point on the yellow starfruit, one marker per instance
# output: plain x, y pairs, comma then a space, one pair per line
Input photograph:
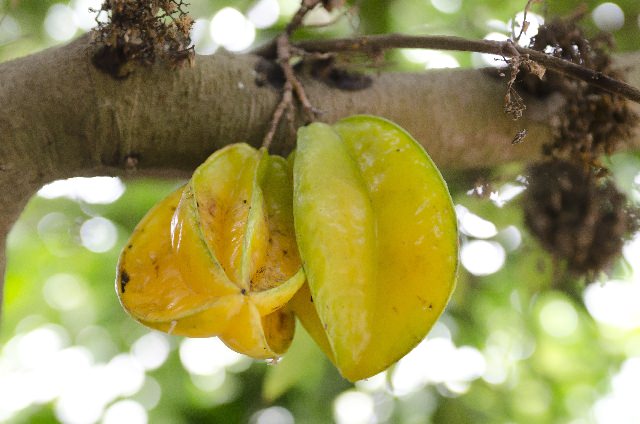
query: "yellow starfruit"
218, 257
377, 234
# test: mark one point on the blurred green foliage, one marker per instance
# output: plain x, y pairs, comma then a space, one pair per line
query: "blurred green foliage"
516, 345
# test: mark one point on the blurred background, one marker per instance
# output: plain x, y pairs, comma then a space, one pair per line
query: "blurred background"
517, 344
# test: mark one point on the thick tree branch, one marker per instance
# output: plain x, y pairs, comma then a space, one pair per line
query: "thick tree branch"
61, 117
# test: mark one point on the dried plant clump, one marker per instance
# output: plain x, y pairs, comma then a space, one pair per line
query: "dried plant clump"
594, 122
142, 32
571, 204
577, 216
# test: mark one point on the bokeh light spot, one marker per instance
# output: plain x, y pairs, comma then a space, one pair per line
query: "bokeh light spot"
558, 318
58, 234
432, 59
631, 252
506, 193
614, 303
95, 190
353, 407
37, 346
230, 29
125, 411
83, 17
124, 375
149, 394
437, 361
59, 22
473, 225
9, 29
608, 17
510, 238
65, 291
151, 350
207, 356
273, 415
98, 234
621, 404
264, 13
201, 37
447, 6
481, 257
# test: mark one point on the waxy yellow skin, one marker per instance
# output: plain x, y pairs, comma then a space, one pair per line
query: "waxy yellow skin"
218, 257
377, 234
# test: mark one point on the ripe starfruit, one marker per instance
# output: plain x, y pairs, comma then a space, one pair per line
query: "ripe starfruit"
218, 257
377, 234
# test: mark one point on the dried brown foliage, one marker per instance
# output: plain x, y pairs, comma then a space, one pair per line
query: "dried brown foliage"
577, 216
571, 205
142, 32
594, 122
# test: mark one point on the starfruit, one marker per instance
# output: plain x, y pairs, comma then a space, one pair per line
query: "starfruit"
377, 234
218, 257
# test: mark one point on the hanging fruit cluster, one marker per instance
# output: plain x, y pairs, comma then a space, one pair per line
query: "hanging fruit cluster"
354, 234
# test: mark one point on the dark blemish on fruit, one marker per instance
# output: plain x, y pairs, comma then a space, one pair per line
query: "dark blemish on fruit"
124, 279
244, 201
430, 305
311, 299
243, 291
130, 246
285, 252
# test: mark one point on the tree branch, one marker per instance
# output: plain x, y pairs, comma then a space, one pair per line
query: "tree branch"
374, 44
61, 117
377, 43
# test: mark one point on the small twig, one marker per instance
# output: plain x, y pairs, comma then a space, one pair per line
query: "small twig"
284, 58
292, 84
296, 20
525, 23
336, 18
376, 43
285, 102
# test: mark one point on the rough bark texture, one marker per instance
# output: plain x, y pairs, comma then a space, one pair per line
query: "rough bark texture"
61, 117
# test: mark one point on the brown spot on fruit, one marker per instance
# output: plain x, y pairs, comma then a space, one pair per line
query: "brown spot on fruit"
124, 279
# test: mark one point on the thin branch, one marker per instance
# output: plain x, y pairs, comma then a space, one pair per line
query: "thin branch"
525, 24
376, 43
296, 20
284, 58
292, 85
284, 104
